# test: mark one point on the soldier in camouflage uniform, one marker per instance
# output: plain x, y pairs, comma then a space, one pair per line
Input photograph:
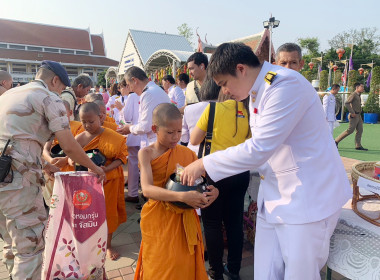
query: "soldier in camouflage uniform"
29, 116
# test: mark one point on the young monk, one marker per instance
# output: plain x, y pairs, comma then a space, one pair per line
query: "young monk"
171, 246
112, 145
60, 162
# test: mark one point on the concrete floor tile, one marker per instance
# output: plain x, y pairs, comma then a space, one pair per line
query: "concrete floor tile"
113, 273
126, 270
129, 276
128, 255
122, 238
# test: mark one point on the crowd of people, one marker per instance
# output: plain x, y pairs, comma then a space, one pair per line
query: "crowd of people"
235, 116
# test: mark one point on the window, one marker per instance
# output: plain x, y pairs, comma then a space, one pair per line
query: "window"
30, 48
3, 46
51, 50
34, 68
3, 66
67, 51
83, 53
72, 70
17, 47
89, 71
18, 67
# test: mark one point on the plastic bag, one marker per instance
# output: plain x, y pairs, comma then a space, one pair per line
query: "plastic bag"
178, 172
76, 232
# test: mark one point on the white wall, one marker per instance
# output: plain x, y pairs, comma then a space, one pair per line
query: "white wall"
129, 58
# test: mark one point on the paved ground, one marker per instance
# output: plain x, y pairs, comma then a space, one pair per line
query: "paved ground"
128, 237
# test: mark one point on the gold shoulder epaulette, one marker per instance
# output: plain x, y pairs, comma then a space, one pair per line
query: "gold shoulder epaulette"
269, 77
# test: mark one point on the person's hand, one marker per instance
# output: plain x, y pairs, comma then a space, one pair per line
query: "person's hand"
112, 106
70, 162
49, 170
211, 195
100, 173
194, 199
124, 130
118, 105
192, 172
59, 162
352, 115
104, 169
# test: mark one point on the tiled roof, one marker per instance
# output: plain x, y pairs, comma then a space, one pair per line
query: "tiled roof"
27, 33
98, 45
149, 42
62, 58
252, 41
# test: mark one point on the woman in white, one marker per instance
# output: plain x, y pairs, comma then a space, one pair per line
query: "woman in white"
174, 92
130, 114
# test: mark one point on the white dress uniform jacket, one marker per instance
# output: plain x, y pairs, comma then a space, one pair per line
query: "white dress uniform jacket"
130, 114
304, 178
329, 107
176, 96
152, 96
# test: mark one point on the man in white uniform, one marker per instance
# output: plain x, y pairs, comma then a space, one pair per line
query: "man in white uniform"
175, 93
130, 115
304, 182
150, 96
329, 106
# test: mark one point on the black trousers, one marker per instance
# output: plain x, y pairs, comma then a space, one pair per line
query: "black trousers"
227, 209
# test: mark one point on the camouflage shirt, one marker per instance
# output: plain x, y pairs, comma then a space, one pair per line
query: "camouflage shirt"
29, 116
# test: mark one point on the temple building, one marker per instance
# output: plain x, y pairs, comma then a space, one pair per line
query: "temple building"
24, 45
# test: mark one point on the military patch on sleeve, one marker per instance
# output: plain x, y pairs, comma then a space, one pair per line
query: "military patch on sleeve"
269, 77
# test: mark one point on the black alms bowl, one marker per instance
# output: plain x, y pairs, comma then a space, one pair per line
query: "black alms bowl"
172, 185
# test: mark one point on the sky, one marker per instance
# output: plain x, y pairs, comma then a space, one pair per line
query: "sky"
221, 20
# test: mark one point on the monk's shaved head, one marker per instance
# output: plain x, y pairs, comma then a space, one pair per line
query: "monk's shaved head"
164, 113
5, 76
67, 105
92, 97
89, 107
99, 103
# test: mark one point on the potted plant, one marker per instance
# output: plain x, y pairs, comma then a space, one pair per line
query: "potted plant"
371, 108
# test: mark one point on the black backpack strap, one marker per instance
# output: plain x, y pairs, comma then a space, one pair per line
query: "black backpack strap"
206, 143
196, 90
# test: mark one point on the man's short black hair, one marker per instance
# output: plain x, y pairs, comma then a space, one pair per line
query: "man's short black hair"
228, 55
334, 86
169, 78
198, 59
184, 77
357, 85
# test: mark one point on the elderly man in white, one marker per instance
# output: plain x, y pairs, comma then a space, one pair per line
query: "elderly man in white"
305, 184
150, 96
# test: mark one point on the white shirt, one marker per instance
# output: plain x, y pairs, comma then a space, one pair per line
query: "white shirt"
149, 99
191, 116
291, 146
176, 96
329, 107
130, 114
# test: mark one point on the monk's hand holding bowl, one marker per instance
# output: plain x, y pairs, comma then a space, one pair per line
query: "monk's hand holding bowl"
124, 130
192, 172
193, 198
211, 195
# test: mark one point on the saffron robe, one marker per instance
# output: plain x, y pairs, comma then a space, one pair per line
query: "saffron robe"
171, 246
110, 119
106, 124
113, 146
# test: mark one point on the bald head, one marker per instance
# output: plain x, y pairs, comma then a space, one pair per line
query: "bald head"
93, 96
100, 103
89, 107
5, 79
164, 113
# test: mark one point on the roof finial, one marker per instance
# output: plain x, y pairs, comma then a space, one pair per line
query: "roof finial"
200, 45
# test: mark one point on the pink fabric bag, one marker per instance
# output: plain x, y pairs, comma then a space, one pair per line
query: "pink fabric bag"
76, 232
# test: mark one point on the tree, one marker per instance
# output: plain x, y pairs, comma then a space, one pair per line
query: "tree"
337, 77
186, 32
324, 80
353, 77
367, 38
308, 75
101, 78
311, 44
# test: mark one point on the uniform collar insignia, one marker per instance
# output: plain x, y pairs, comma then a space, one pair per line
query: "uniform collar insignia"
269, 77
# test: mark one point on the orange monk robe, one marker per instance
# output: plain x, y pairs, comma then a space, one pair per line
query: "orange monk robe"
110, 119
113, 146
171, 246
